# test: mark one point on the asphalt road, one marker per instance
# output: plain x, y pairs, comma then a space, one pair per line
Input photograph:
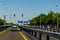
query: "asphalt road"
11, 34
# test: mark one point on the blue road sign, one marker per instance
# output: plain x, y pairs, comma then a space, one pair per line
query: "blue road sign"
24, 22
20, 21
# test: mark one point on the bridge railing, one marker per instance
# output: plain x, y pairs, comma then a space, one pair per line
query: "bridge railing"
46, 28
2, 27
34, 32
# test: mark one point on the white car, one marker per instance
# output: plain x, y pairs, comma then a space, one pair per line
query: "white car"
14, 26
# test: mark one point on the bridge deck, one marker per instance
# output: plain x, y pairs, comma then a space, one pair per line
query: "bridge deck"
11, 34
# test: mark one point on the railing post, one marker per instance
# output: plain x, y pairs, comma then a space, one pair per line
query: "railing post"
35, 34
27, 31
40, 36
47, 37
59, 38
31, 32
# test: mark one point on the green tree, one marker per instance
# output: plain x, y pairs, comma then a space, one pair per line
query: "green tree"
1, 22
33, 22
42, 18
50, 18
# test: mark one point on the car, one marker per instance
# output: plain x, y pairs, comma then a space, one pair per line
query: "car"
14, 26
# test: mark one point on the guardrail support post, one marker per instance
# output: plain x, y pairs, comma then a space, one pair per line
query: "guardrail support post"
35, 34
47, 37
40, 36
31, 32
59, 38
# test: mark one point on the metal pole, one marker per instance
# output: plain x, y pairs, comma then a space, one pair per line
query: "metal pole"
40, 36
14, 18
4, 19
22, 19
35, 34
40, 20
10, 17
57, 20
47, 37
57, 17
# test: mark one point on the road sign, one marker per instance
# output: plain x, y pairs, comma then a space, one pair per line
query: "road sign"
20, 21
26, 22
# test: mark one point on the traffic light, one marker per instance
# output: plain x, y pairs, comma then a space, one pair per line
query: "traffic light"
22, 15
14, 15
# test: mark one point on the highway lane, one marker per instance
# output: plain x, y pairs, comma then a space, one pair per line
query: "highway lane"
11, 34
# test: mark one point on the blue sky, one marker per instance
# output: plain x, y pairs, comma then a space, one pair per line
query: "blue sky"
30, 8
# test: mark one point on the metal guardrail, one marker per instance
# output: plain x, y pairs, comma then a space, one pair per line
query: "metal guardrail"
35, 31
3, 28
45, 28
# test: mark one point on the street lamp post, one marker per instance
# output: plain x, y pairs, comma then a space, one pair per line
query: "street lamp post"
10, 17
15, 21
40, 22
57, 18
4, 19
22, 18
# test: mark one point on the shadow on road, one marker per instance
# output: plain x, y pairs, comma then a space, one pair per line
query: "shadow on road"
15, 30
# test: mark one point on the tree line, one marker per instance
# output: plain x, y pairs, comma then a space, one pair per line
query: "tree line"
46, 19
2, 21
